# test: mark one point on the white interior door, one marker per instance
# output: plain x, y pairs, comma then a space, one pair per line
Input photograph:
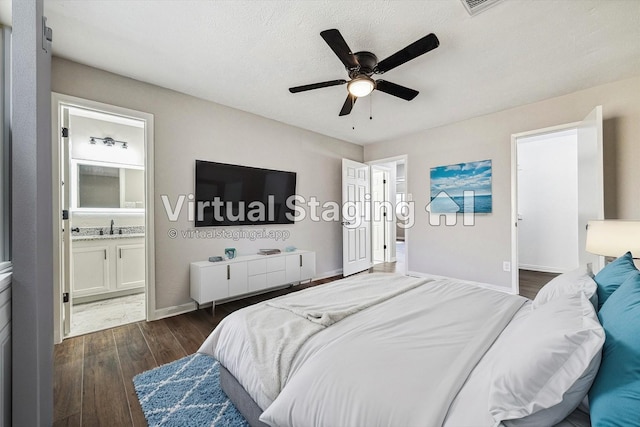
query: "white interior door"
590, 182
66, 225
356, 224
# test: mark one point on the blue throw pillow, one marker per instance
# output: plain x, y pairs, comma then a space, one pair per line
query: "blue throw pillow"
614, 398
612, 276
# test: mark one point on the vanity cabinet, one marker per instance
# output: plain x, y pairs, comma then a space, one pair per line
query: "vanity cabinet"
90, 269
130, 266
107, 267
213, 281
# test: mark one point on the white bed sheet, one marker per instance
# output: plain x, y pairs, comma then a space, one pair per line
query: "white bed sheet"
400, 363
234, 353
233, 350
470, 407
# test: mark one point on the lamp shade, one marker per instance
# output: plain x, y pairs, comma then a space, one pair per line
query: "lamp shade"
613, 237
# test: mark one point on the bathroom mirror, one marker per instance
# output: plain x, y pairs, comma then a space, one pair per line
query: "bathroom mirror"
107, 186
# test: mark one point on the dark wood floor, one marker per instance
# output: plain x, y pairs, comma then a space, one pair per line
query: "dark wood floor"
532, 281
93, 373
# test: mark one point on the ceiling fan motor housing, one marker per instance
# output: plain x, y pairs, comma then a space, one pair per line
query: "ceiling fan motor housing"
367, 61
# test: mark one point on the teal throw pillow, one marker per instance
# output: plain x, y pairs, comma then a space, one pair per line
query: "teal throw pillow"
614, 398
612, 275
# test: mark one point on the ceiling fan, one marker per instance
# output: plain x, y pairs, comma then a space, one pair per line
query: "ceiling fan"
362, 65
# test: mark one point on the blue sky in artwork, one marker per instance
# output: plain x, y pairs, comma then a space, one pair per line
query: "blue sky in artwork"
454, 179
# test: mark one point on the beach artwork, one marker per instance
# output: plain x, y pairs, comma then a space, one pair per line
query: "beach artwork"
462, 188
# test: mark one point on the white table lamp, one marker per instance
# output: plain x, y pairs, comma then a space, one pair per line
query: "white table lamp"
613, 238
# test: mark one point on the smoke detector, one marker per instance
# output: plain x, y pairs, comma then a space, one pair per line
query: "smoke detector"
475, 7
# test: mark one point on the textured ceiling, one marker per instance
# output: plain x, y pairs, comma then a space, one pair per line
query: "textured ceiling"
245, 54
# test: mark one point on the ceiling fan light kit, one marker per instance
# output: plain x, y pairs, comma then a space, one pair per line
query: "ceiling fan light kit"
361, 66
361, 86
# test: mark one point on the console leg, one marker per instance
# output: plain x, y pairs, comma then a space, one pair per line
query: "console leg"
213, 309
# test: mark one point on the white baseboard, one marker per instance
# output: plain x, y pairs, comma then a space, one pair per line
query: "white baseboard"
161, 313
542, 268
191, 306
470, 282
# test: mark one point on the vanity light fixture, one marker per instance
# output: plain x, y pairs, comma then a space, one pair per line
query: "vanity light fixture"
108, 141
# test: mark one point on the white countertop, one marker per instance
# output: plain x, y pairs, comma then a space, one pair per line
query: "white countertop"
106, 236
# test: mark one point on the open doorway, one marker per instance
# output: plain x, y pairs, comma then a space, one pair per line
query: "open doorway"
548, 202
557, 187
388, 189
104, 254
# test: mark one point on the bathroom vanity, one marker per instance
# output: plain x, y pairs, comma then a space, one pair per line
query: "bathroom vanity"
107, 266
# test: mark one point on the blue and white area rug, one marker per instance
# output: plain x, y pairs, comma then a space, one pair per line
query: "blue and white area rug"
186, 393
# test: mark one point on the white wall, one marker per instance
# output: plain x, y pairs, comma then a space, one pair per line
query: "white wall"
188, 128
548, 202
477, 253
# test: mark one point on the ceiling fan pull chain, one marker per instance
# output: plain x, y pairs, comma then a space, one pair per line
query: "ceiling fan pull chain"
371, 107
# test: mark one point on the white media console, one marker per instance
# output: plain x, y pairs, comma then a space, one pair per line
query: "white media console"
213, 281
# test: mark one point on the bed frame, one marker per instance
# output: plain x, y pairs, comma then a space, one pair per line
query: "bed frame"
240, 398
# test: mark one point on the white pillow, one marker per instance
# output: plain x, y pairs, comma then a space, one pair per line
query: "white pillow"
578, 280
549, 362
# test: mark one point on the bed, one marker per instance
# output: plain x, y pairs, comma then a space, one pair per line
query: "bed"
383, 349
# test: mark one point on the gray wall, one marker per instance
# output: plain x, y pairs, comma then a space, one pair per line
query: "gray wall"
477, 253
32, 225
186, 129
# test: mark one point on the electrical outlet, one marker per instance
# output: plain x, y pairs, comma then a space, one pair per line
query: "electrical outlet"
506, 266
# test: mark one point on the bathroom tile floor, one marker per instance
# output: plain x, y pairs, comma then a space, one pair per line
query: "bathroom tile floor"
108, 313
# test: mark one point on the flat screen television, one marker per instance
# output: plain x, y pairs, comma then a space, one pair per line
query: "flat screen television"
241, 195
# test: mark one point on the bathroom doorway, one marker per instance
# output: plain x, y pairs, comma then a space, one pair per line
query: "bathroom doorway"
104, 196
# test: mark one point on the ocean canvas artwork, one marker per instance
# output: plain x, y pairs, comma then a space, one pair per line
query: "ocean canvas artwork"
463, 188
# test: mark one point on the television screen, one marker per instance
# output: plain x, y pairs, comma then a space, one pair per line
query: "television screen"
241, 195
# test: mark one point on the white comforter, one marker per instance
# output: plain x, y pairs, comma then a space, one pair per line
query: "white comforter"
277, 329
373, 367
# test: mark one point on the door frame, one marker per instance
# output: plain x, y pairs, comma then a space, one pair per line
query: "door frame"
58, 101
404, 158
515, 276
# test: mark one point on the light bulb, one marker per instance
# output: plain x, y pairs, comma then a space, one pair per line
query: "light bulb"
361, 86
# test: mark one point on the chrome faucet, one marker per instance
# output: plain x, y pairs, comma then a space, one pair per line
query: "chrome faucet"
111, 229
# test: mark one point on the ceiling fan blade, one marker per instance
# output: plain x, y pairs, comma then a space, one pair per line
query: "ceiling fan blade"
415, 49
316, 86
348, 105
336, 42
396, 90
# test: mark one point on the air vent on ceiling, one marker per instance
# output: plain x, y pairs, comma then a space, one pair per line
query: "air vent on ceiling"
476, 6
